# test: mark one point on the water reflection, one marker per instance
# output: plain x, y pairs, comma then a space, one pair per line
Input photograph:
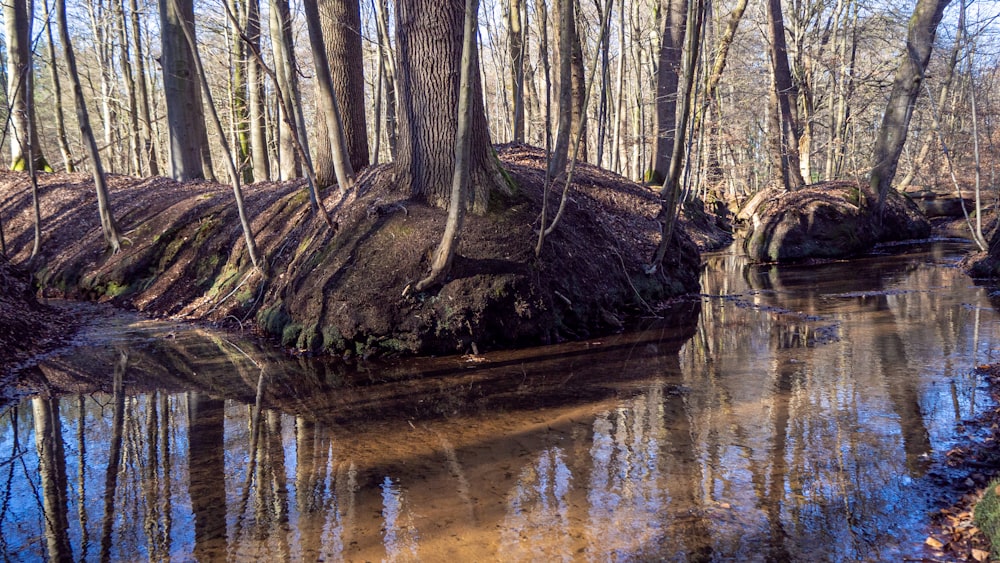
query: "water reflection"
793, 421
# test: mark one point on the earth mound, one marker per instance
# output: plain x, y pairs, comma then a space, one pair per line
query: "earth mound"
343, 290
828, 220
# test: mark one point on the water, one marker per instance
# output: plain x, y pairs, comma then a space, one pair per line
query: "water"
790, 414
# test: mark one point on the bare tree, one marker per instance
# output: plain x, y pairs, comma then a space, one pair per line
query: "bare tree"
20, 85
667, 73
185, 113
429, 53
108, 225
785, 133
441, 263
926, 16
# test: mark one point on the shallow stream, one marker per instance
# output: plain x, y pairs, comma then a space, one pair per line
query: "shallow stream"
790, 414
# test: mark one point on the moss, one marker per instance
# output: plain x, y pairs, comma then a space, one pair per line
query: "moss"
987, 517
274, 319
309, 339
205, 268
114, 289
290, 335
207, 226
333, 340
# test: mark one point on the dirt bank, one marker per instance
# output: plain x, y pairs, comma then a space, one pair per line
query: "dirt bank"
27, 327
341, 290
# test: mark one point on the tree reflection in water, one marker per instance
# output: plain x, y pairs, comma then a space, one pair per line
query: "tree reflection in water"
794, 421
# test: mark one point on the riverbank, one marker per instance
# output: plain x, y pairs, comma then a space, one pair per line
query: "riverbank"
342, 290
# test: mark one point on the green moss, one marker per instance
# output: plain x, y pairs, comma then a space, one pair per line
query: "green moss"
310, 339
333, 341
273, 319
205, 268
114, 289
987, 517
207, 226
290, 335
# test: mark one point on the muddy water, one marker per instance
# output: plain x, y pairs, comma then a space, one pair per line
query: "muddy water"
790, 414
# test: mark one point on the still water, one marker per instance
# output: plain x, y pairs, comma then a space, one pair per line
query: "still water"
789, 414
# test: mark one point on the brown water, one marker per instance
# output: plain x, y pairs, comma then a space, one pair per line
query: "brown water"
792, 414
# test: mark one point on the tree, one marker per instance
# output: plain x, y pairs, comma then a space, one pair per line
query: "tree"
20, 85
255, 85
185, 114
291, 124
926, 16
336, 143
108, 225
671, 47
57, 94
516, 14
441, 263
429, 46
340, 21
785, 132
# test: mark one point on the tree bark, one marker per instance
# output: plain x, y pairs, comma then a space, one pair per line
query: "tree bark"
145, 117
255, 84
340, 21
284, 66
905, 88
668, 72
564, 28
445, 252
185, 113
20, 86
516, 45
785, 163
429, 45
336, 142
108, 224
57, 95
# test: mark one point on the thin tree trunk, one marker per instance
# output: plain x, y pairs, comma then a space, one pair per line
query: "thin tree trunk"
461, 175
234, 175
328, 102
389, 74
130, 89
667, 78
287, 83
239, 84
785, 165
57, 94
906, 86
108, 225
516, 47
145, 117
564, 128
620, 92
670, 193
255, 83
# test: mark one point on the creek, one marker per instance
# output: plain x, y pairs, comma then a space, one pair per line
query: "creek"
790, 413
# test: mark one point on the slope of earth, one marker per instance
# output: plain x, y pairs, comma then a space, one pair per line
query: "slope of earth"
27, 327
345, 289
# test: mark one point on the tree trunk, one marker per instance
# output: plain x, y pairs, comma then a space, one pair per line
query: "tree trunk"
239, 87
336, 141
429, 47
57, 95
52, 475
20, 86
255, 84
785, 165
578, 86
284, 67
340, 21
388, 73
108, 225
670, 192
124, 60
145, 118
668, 71
905, 88
185, 114
516, 44
441, 263
564, 28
